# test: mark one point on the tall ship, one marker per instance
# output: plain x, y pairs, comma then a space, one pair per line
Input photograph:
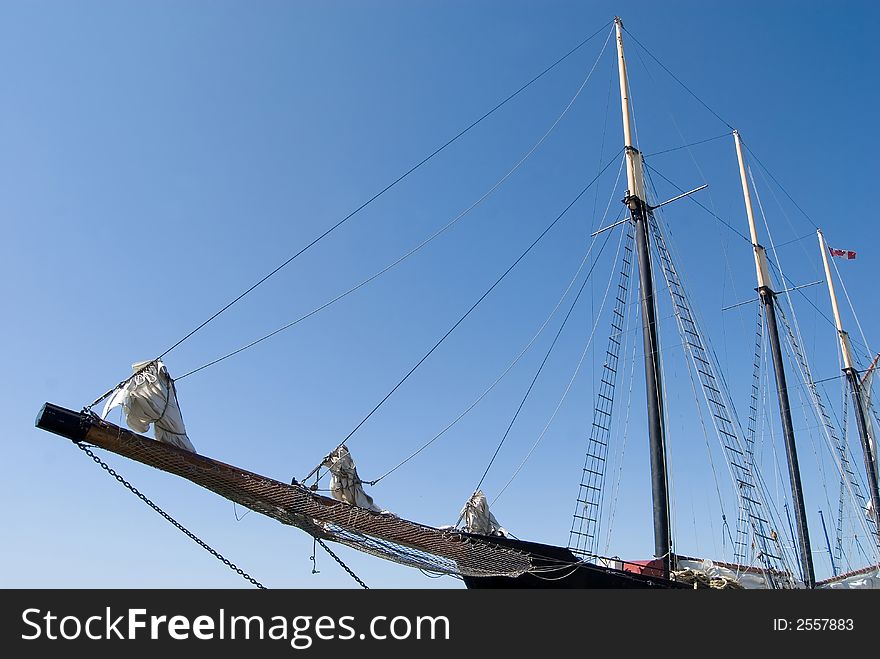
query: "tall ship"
764, 523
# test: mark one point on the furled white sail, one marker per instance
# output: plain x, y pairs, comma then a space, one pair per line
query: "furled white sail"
745, 577
149, 397
345, 484
478, 518
867, 382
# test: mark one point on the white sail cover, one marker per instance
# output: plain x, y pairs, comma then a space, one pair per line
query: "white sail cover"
345, 484
866, 384
149, 397
478, 518
748, 578
869, 578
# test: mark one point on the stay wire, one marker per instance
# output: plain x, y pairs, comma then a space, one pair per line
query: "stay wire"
481, 298
687, 146
674, 77
510, 366
694, 378
793, 240
486, 391
784, 191
571, 380
543, 362
795, 339
386, 188
424, 242
796, 289
852, 308
704, 207
770, 261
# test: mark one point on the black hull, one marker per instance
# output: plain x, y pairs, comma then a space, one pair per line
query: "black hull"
557, 571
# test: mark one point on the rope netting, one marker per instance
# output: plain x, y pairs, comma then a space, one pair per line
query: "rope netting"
387, 536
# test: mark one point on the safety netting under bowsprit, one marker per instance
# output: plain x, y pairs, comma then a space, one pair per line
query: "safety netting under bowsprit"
380, 534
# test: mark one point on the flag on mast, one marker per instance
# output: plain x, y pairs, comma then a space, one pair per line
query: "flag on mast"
843, 253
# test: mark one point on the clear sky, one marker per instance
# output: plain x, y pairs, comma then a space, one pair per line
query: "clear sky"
158, 158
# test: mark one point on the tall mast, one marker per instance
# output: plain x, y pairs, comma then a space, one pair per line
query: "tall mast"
768, 297
639, 214
852, 376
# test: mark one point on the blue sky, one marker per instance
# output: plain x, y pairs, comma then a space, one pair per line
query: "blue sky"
158, 158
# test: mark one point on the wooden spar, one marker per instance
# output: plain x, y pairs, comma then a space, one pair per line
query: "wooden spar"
845, 349
639, 214
82, 427
855, 384
293, 503
870, 369
768, 298
828, 544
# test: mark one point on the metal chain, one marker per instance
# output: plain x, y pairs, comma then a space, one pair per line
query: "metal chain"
344, 566
232, 566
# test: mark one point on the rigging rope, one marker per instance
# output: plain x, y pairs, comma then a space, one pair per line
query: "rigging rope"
776, 181
427, 240
841, 501
567, 388
851, 307
697, 202
773, 264
503, 373
663, 400
795, 340
601, 157
475, 305
673, 283
692, 376
716, 392
793, 240
687, 146
799, 338
686, 88
754, 407
543, 363
615, 490
232, 566
838, 452
770, 261
590, 494
702, 176
516, 359
386, 188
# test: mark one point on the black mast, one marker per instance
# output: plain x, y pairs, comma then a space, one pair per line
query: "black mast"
870, 459
855, 385
768, 298
640, 215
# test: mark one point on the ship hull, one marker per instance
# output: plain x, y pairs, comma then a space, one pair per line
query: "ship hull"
558, 567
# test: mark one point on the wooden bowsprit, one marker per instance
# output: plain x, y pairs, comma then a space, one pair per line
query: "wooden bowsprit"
380, 534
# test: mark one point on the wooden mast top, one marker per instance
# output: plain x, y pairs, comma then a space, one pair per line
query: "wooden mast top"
635, 179
845, 348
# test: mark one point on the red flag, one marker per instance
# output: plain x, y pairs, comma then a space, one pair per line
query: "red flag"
843, 253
